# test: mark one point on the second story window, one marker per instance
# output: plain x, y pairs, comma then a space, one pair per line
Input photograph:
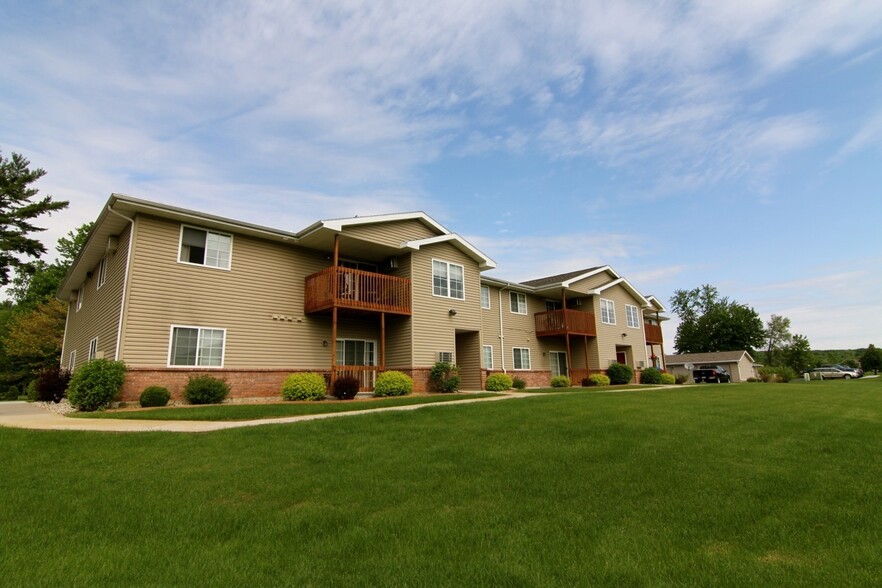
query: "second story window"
632, 316
447, 280
485, 296
102, 272
518, 302
203, 247
607, 311
80, 297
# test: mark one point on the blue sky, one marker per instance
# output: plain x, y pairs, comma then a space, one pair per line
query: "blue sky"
732, 143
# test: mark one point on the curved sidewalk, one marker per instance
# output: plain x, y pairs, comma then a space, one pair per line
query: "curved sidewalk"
25, 415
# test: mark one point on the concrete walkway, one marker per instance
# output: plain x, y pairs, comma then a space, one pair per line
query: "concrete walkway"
25, 415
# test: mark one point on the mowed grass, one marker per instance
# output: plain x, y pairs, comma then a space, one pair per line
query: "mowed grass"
244, 412
731, 485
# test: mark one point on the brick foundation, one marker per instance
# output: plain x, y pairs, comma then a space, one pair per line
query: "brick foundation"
252, 383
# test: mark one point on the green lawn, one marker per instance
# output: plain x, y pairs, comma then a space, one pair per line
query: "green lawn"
732, 485
245, 412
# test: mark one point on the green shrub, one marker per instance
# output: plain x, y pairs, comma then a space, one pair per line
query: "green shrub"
393, 383
752, 380
668, 379
11, 393
51, 384
518, 383
596, 380
681, 378
620, 373
498, 382
561, 382
95, 384
206, 389
31, 391
767, 374
651, 375
444, 377
155, 396
304, 386
345, 388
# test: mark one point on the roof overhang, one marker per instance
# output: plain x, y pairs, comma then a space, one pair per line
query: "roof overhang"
484, 262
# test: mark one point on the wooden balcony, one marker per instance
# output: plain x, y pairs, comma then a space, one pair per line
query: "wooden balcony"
565, 322
357, 290
653, 334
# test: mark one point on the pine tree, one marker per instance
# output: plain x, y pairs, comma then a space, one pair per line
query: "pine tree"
18, 210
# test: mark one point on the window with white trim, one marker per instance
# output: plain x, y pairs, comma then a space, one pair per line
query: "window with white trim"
607, 311
71, 360
520, 357
518, 302
487, 357
356, 352
485, 296
93, 348
80, 297
102, 272
448, 280
632, 315
204, 247
197, 346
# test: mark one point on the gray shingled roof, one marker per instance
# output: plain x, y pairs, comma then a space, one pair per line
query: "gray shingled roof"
716, 357
539, 282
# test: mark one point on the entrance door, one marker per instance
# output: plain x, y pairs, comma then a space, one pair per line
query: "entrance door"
621, 357
558, 360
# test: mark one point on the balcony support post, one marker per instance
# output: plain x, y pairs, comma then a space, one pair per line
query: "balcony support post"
382, 341
333, 345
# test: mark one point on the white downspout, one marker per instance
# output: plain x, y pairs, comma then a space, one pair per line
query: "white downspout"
122, 302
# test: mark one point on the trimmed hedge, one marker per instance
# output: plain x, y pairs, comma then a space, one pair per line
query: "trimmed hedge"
498, 382
518, 383
393, 383
668, 379
651, 375
596, 380
154, 396
96, 384
620, 373
305, 386
561, 382
206, 390
345, 388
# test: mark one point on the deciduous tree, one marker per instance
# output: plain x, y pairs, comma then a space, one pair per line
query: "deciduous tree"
710, 323
778, 336
871, 359
798, 354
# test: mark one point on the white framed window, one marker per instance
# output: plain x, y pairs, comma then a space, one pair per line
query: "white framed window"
93, 348
102, 272
72, 360
632, 315
607, 311
557, 360
204, 247
487, 357
485, 296
196, 346
356, 352
520, 358
518, 302
448, 279
80, 297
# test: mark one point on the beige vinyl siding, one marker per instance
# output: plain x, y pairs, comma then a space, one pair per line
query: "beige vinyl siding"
609, 337
490, 327
392, 234
99, 315
399, 329
520, 331
433, 327
265, 279
588, 285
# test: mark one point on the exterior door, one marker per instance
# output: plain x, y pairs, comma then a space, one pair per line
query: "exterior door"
621, 357
558, 360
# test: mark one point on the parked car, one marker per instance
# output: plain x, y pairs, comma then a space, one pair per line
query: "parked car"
859, 371
711, 373
830, 372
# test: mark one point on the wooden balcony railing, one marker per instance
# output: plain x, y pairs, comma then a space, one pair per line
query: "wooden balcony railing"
365, 374
653, 333
356, 289
562, 322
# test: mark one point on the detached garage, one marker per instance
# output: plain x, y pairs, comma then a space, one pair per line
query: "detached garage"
739, 363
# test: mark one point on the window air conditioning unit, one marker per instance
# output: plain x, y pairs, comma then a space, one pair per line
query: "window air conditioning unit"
641, 364
392, 263
112, 243
445, 356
